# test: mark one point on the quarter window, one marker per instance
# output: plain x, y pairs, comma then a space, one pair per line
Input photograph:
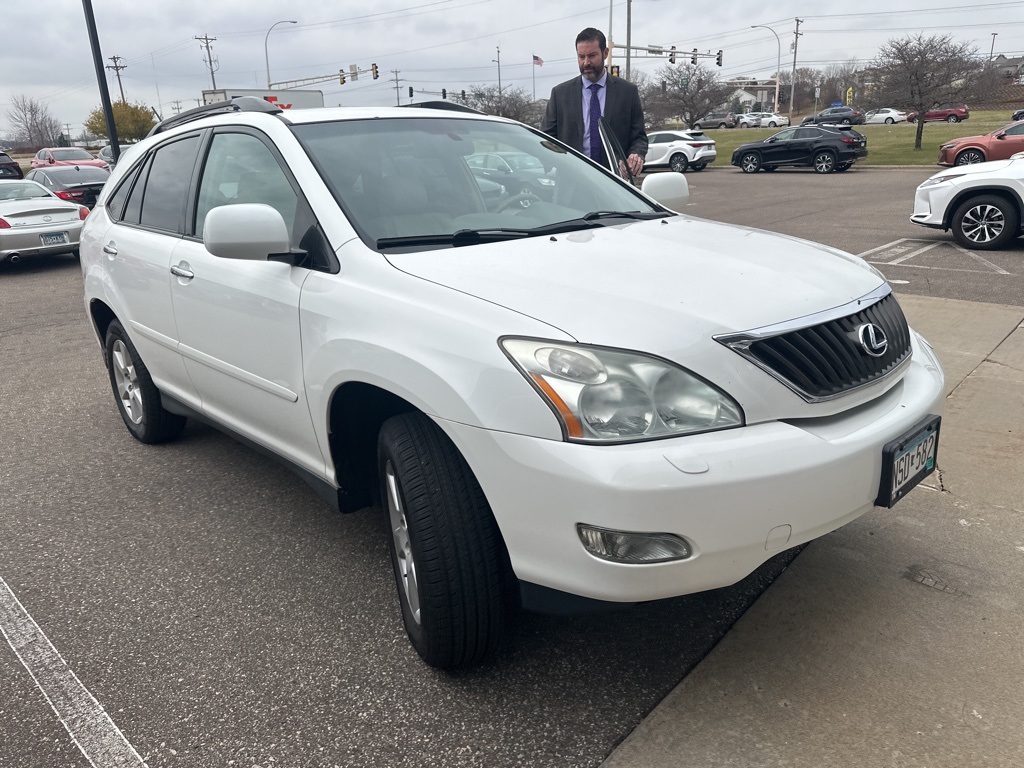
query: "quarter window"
170, 174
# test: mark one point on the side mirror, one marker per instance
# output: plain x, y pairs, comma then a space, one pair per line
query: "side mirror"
670, 189
251, 231
50, 160
1000, 136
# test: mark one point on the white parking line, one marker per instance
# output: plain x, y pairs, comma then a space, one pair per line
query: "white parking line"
88, 724
907, 248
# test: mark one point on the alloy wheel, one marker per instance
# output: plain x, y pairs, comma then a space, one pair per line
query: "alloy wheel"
982, 223
970, 157
403, 544
127, 381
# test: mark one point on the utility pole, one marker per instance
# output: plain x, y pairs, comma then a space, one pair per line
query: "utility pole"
67, 126
629, 33
498, 60
792, 84
117, 72
206, 40
398, 93
992, 50
177, 106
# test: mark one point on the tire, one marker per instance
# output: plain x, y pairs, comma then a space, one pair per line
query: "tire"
698, 167
969, 157
721, 125
889, 121
138, 399
696, 126
824, 162
843, 167
750, 162
452, 571
678, 163
770, 168
773, 124
911, 119
846, 121
952, 119
744, 125
985, 223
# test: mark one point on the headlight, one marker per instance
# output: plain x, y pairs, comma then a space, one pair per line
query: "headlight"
947, 146
605, 395
939, 180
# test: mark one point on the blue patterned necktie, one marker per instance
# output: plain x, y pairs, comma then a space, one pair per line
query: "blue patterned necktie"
596, 148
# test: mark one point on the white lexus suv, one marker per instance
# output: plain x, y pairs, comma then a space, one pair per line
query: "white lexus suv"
584, 402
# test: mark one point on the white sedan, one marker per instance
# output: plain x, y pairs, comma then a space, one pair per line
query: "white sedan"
773, 119
885, 115
34, 221
679, 150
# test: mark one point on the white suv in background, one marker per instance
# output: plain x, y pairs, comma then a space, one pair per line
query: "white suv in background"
680, 150
982, 203
588, 401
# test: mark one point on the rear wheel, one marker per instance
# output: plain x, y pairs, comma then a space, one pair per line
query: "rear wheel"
699, 166
773, 124
969, 157
138, 399
451, 569
889, 121
824, 162
985, 223
678, 162
952, 119
750, 162
846, 121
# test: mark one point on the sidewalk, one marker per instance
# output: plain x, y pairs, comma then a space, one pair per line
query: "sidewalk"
897, 640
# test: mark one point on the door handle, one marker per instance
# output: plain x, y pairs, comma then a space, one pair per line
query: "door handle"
188, 274
110, 250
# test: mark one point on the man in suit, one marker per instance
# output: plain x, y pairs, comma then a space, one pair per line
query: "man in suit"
576, 106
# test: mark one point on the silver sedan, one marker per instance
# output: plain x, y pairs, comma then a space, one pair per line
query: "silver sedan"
34, 221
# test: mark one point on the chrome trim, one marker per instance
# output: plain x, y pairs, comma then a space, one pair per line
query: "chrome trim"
740, 343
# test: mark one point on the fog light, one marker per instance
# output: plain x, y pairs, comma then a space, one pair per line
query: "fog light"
637, 548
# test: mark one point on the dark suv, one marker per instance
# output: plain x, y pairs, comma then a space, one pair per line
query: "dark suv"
949, 112
9, 167
836, 116
715, 120
824, 148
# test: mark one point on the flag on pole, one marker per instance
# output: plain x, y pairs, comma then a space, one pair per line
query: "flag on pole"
538, 61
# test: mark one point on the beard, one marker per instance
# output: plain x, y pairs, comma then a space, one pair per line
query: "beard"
592, 73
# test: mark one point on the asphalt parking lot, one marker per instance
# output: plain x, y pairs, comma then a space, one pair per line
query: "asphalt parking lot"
221, 614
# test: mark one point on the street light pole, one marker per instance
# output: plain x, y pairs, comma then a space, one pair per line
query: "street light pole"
992, 50
498, 61
778, 63
266, 56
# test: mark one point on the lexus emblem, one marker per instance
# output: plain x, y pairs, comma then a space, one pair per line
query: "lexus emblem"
872, 339
47, 218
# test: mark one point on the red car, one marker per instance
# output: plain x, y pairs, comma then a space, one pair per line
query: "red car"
950, 113
50, 156
998, 145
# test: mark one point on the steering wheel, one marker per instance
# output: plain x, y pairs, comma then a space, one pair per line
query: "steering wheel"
523, 200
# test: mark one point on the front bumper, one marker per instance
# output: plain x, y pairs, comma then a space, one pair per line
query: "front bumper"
738, 496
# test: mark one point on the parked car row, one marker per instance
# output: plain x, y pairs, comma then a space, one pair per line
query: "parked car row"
826, 148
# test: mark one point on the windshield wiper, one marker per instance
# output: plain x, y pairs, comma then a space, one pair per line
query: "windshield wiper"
594, 215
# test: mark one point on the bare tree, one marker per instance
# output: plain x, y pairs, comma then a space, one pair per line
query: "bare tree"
31, 122
918, 72
837, 79
512, 102
807, 80
684, 91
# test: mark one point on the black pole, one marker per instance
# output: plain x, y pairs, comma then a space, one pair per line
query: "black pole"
101, 77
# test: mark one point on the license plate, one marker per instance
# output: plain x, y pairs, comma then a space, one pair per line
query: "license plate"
57, 238
908, 460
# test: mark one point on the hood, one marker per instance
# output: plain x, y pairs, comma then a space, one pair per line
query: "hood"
966, 171
651, 282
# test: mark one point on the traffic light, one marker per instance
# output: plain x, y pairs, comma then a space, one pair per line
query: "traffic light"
672, 55
718, 61
693, 56
615, 70
444, 93
341, 77
373, 69
410, 91
463, 95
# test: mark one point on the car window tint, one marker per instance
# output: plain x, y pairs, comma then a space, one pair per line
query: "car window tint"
806, 133
170, 172
115, 204
785, 135
240, 168
1017, 130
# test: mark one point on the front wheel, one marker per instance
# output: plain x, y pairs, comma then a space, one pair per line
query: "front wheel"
985, 223
750, 162
678, 163
452, 571
952, 119
824, 162
138, 399
969, 157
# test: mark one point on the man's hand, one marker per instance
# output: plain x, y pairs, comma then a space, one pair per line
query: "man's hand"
636, 164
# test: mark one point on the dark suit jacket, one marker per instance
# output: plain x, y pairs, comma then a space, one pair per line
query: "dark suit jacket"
622, 111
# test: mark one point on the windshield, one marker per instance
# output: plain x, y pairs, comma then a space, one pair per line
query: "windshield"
22, 191
71, 154
409, 177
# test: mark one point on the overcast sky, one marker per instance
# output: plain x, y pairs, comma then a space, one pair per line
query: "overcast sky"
434, 44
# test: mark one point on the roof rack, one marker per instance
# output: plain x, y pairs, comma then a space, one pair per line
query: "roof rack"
237, 104
451, 106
